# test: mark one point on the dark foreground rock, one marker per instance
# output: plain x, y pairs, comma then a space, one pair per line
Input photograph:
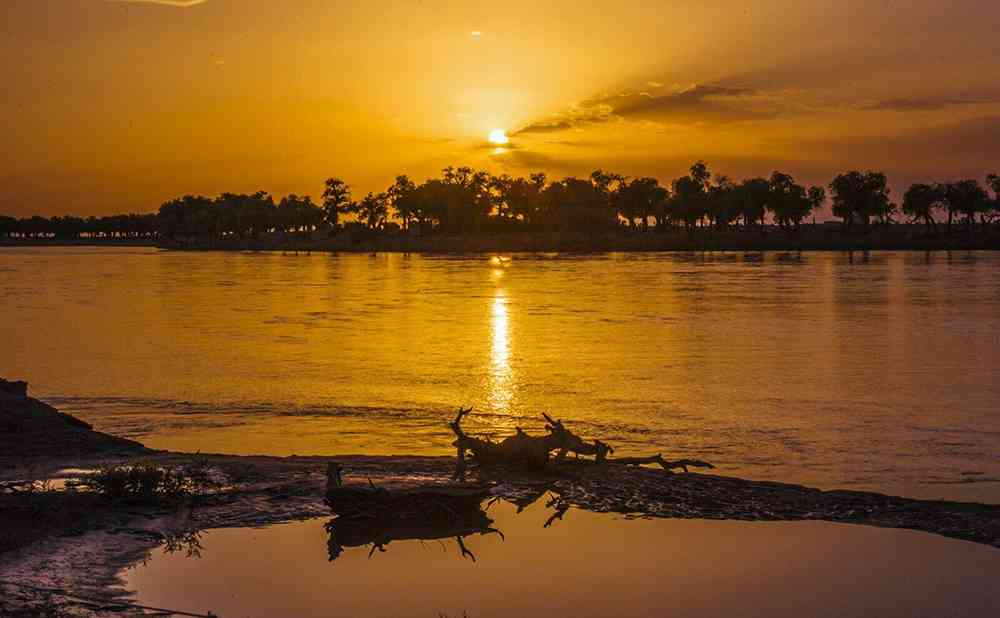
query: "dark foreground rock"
31, 429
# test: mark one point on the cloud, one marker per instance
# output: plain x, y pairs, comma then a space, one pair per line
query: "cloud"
703, 103
963, 148
921, 104
176, 3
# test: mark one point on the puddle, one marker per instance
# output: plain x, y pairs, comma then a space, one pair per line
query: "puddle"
60, 480
585, 564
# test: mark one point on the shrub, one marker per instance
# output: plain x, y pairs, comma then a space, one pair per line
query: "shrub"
142, 482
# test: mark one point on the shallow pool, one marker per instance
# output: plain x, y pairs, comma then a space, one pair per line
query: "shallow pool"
585, 564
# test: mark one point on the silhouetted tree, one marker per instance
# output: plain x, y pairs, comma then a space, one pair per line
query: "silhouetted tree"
817, 197
965, 197
572, 204
689, 201
639, 199
721, 202
751, 199
189, 216
921, 200
608, 184
296, 213
373, 210
857, 197
993, 182
8, 226
522, 198
402, 198
336, 200
788, 201
245, 214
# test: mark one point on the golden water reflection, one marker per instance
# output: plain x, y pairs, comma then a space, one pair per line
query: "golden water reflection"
501, 387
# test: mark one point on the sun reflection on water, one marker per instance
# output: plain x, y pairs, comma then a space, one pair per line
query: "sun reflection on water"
501, 377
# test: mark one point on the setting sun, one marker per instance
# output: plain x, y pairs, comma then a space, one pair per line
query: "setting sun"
498, 136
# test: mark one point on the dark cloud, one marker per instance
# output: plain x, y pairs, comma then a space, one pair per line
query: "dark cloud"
551, 126
962, 149
921, 104
703, 103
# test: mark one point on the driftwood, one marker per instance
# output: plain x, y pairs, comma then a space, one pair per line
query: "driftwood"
535, 451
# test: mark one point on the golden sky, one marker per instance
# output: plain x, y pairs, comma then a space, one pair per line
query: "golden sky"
114, 106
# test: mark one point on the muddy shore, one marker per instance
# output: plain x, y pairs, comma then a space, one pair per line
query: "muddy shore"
824, 237
79, 542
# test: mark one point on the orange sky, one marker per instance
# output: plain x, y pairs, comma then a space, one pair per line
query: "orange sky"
117, 106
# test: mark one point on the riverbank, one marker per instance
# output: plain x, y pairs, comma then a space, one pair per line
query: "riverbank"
78, 542
78, 242
824, 237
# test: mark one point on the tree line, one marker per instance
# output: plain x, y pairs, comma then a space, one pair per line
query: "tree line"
467, 201
69, 227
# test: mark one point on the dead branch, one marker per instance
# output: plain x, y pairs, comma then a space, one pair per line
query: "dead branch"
658, 459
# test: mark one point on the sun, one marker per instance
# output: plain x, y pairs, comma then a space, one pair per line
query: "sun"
498, 137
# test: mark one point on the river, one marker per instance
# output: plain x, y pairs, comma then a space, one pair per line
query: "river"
867, 371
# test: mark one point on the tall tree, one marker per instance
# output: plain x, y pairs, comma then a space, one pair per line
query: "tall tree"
722, 203
373, 210
402, 196
787, 201
859, 196
817, 197
689, 199
993, 182
921, 200
638, 200
336, 200
752, 196
965, 197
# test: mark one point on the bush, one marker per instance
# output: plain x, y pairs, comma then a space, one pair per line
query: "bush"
142, 482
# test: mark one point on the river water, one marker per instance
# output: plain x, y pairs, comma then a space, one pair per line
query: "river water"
878, 371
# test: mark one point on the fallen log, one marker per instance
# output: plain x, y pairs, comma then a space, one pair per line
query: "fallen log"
534, 451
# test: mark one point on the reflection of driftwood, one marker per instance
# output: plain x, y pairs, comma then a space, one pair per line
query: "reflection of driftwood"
534, 451
368, 514
377, 516
346, 532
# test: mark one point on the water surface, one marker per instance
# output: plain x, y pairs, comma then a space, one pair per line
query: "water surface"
585, 565
877, 371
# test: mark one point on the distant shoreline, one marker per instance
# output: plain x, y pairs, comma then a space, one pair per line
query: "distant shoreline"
807, 238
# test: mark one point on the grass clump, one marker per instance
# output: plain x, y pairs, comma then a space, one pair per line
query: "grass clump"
149, 482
